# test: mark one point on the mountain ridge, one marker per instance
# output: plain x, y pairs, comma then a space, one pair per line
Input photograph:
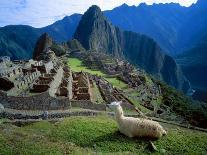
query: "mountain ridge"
95, 32
166, 19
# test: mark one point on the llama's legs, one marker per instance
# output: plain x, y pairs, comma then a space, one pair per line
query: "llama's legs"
129, 135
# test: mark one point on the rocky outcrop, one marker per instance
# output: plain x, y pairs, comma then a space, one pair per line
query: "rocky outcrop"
42, 44
74, 45
95, 32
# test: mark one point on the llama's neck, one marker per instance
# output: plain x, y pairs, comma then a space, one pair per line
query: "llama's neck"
119, 114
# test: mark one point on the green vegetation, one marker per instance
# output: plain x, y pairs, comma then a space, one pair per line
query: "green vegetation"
87, 135
116, 82
138, 105
96, 95
195, 112
58, 49
78, 66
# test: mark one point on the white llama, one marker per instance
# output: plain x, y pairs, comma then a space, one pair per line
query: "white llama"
136, 127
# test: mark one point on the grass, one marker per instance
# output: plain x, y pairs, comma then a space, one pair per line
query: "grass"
93, 135
132, 95
138, 105
96, 95
116, 83
77, 65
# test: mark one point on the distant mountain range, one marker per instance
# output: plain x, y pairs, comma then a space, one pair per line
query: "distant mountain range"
18, 41
194, 64
174, 27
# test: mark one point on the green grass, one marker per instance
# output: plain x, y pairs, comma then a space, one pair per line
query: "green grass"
132, 95
87, 135
116, 83
138, 105
96, 95
77, 65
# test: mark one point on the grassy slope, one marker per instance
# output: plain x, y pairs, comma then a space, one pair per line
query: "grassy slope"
82, 135
77, 66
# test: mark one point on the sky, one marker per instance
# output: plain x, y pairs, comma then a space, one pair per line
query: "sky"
40, 13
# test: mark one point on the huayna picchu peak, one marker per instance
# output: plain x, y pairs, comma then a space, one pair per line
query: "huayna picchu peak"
95, 32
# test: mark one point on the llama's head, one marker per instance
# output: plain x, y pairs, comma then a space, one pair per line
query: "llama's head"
114, 105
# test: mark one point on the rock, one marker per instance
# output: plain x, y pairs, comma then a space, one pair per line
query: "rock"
44, 42
1, 108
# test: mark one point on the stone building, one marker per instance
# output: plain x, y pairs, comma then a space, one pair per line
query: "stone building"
81, 86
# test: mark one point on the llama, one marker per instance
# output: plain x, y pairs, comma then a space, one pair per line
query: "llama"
136, 127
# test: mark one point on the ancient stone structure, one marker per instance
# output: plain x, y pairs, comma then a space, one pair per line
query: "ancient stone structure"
81, 86
44, 85
40, 101
17, 76
111, 94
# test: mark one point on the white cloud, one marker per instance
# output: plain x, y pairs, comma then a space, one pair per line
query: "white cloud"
40, 13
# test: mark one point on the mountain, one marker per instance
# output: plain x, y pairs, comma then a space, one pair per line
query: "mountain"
64, 29
194, 65
174, 27
96, 32
43, 43
74, 45
46, 42
18, 41
159, 21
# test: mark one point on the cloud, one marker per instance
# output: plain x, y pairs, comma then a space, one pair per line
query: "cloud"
39, 13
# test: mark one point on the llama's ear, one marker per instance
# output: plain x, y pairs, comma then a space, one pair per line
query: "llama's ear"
113, 103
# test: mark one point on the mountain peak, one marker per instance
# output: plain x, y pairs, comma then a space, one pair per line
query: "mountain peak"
91, 18
94, 10
43, 43
124, 5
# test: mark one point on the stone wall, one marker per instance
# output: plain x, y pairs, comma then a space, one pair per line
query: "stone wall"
45, 102
88, 105
51, 115
37, 102
56, 82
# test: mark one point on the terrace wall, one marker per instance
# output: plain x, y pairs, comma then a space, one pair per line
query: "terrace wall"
88, 105
37, 102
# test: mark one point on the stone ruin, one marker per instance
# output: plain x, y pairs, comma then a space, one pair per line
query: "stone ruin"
111, 94
65, 87
16, 77
81, 86
101, 61
25, 84
134, 78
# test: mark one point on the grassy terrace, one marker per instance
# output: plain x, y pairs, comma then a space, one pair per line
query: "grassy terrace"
93, 135
77, 66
